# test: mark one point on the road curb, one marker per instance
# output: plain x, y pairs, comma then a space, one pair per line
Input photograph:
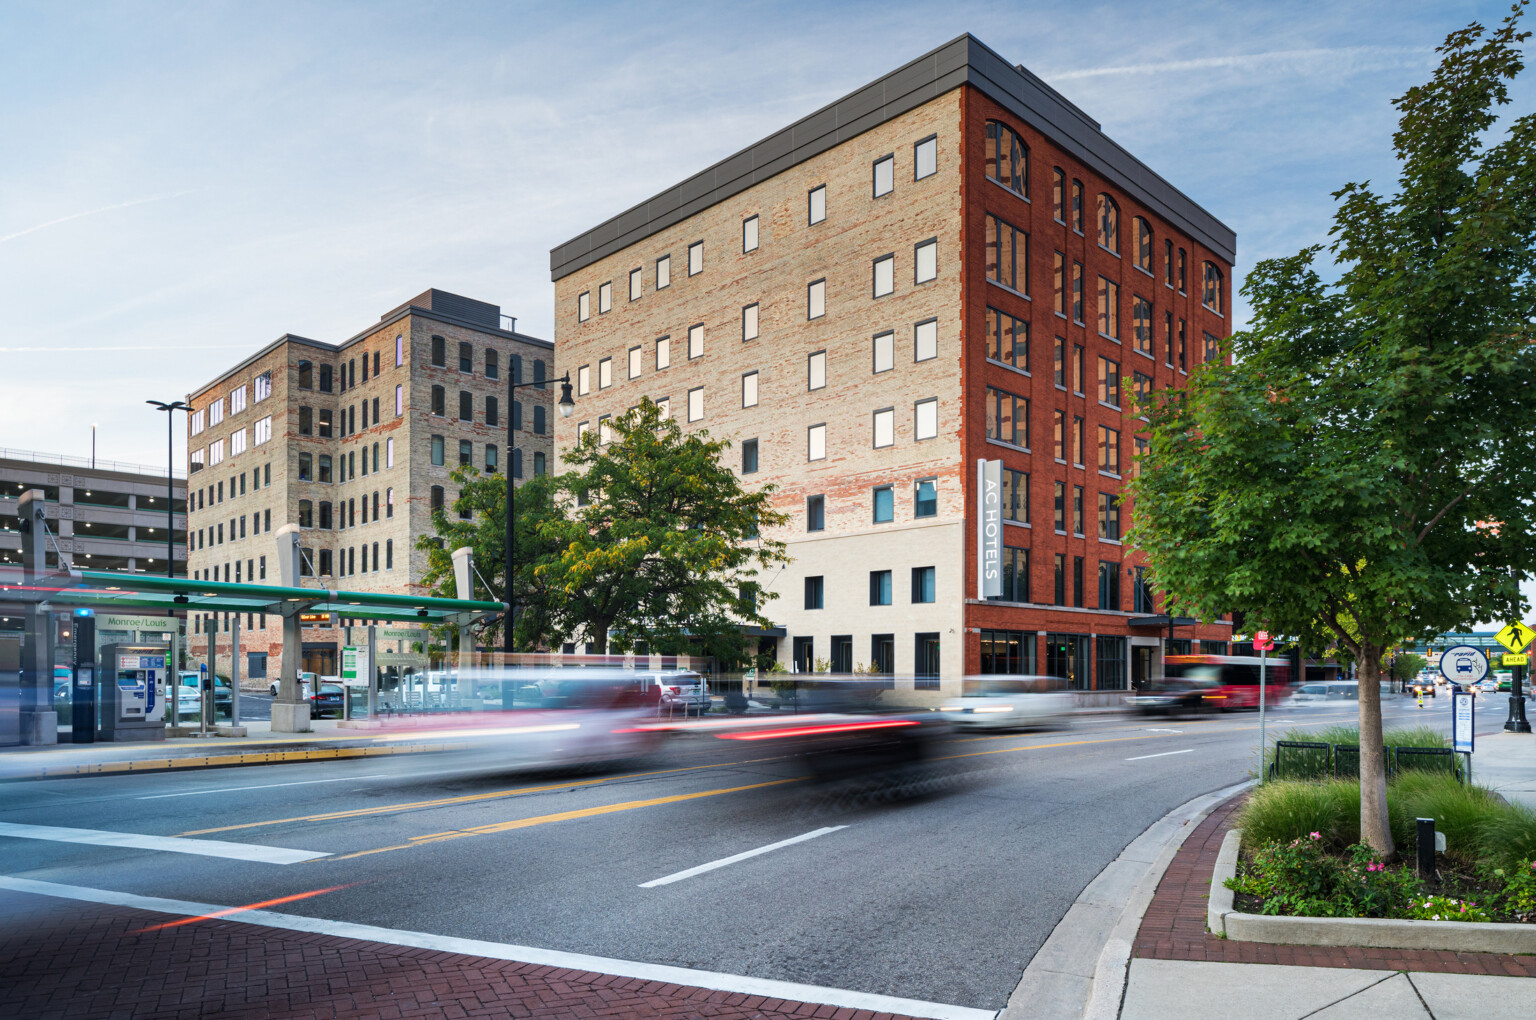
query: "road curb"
1364, 932
217, 761
1099, 928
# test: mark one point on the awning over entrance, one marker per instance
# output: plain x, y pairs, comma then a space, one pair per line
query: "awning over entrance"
1160, 621
106, 591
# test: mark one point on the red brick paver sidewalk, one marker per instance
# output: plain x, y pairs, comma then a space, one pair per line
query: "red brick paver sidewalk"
1174, 925
63, 959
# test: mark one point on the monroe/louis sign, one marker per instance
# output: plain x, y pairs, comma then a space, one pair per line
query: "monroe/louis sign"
989, 528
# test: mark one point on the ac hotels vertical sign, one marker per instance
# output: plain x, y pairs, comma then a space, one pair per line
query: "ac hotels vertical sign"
989, 528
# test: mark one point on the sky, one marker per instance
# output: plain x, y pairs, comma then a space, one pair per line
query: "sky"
182, 183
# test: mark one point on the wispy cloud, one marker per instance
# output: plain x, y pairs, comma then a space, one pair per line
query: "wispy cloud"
128, 348
92, 212
1297, 60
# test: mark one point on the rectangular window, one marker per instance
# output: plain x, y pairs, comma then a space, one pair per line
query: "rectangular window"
816, 370
925, 419
885, 428
816, 442
1077, 440
884, 275
1007, 255
664, 408
605, 373
1077, 582
1059, 435
922, 584
749, 457
1008, 339
216, 412
884, 504
1168, 338
696, 340
663, 353
492, 364
437, 450
1077, 292
583, 380
1141, 451
1109, 449
604, 297
749, 234
1110, 655
1109, 308
389, 502
1109, 516
237, 400
1015, 496
816, 204
664, 272
885, 352
925, 340
1060, 359
1078, 371
925, 158
237, 445
925, 498
1060, 580
1059, 285
925, 262
492, 464
263, 430
389, 453
814, 592
584, 306
1109, 382
262, 386
695, 258
879, 587
195, 422
636, 283
816, 299
815, 513
399, 401
466, 357
1077, 510
1058, 199
925, 658
1141, 324
604, 431
1007, 417
1183, 362
749, 390
1212, 348
696, 403
1141, 385
884, 175
749, 322
216, 452
466, 453
634, 362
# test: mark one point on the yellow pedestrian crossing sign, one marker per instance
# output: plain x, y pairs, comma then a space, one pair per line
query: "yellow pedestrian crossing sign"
1515, 637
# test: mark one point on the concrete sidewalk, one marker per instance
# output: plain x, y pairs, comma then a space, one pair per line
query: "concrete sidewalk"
1180, 971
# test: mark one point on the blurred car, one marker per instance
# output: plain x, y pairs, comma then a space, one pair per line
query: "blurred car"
223, 691
329, 698
1176, 695
1421, 687
680, 690
304, 679
189, 704
1011, 702
1488, 686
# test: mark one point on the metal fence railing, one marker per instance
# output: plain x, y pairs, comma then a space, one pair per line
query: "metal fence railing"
1306, 759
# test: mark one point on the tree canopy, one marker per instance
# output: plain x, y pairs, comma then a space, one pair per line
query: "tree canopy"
1360, 472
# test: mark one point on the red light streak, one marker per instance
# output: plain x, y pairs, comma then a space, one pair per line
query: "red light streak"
237, 910
803, 731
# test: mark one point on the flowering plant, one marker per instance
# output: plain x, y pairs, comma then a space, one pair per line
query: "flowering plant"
1445, 908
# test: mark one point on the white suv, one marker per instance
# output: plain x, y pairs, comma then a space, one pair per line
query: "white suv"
680, 691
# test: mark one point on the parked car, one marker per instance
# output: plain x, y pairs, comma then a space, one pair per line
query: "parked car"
306, 680
329, 698
680, 690
1176, 695
1012, 702
223, 690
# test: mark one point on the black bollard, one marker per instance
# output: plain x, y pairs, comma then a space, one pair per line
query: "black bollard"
1426, 841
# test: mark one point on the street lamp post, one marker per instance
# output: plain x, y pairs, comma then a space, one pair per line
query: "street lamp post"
566, 405
170, 478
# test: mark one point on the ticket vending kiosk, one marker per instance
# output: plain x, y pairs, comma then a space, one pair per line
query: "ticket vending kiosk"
132, 686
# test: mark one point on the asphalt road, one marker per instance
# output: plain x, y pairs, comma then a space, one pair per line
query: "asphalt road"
939, 889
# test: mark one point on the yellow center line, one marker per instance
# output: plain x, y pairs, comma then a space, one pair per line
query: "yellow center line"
561, 816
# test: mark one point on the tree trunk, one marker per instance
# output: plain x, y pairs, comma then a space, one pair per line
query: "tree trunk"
1374, 828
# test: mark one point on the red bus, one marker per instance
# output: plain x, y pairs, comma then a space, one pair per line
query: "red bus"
1236, 677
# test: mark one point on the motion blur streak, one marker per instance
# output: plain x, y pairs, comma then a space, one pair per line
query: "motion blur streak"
249, 906
495, 731
563, 816
804, 731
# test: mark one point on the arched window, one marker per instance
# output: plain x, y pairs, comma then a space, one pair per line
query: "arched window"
1143, 244
439, 352
324, 474
389, 554
538, 372
439, 401
466, 406
325, 378
1059, 194
539, 414
517, 463
1007, 158
1109, 224
1077, 206
492, 412
517, 368
1168, 262
538, 463
517, 415
325, 514
306, 376
1212, 296
306, 513
437, 497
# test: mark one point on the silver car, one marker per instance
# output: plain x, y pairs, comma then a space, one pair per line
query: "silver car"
1011, 702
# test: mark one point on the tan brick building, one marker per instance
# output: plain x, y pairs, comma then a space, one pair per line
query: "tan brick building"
355, 442
951, 265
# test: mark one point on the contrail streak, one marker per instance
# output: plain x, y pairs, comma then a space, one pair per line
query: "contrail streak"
1239, 61
92, 212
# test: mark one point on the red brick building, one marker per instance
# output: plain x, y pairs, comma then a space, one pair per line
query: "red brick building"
949, 267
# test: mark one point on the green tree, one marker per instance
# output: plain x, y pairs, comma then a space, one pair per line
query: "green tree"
657, 541
1361, 473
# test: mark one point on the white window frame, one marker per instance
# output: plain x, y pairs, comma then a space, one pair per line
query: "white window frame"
696, 341
215, 412
925, 261
237, 440
816, 371
389, 452
636, 283
604, 297
635, 357
216, 452
816, 205
816, 442
236, 400
263, 429
749, 234
749, 389
925, 340
399, 350
884, 422
196, 457
883, 276
925, 158
195, 423
583, 380
749, 322
883, 175
696, 258
584, 306
925, 419
664, 272
696, 404
399, 400
884, 351
605, 373
816, 299
261, 386
663, 353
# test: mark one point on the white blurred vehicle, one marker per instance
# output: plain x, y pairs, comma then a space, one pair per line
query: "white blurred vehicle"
1012, 702
306, 680
681, 691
